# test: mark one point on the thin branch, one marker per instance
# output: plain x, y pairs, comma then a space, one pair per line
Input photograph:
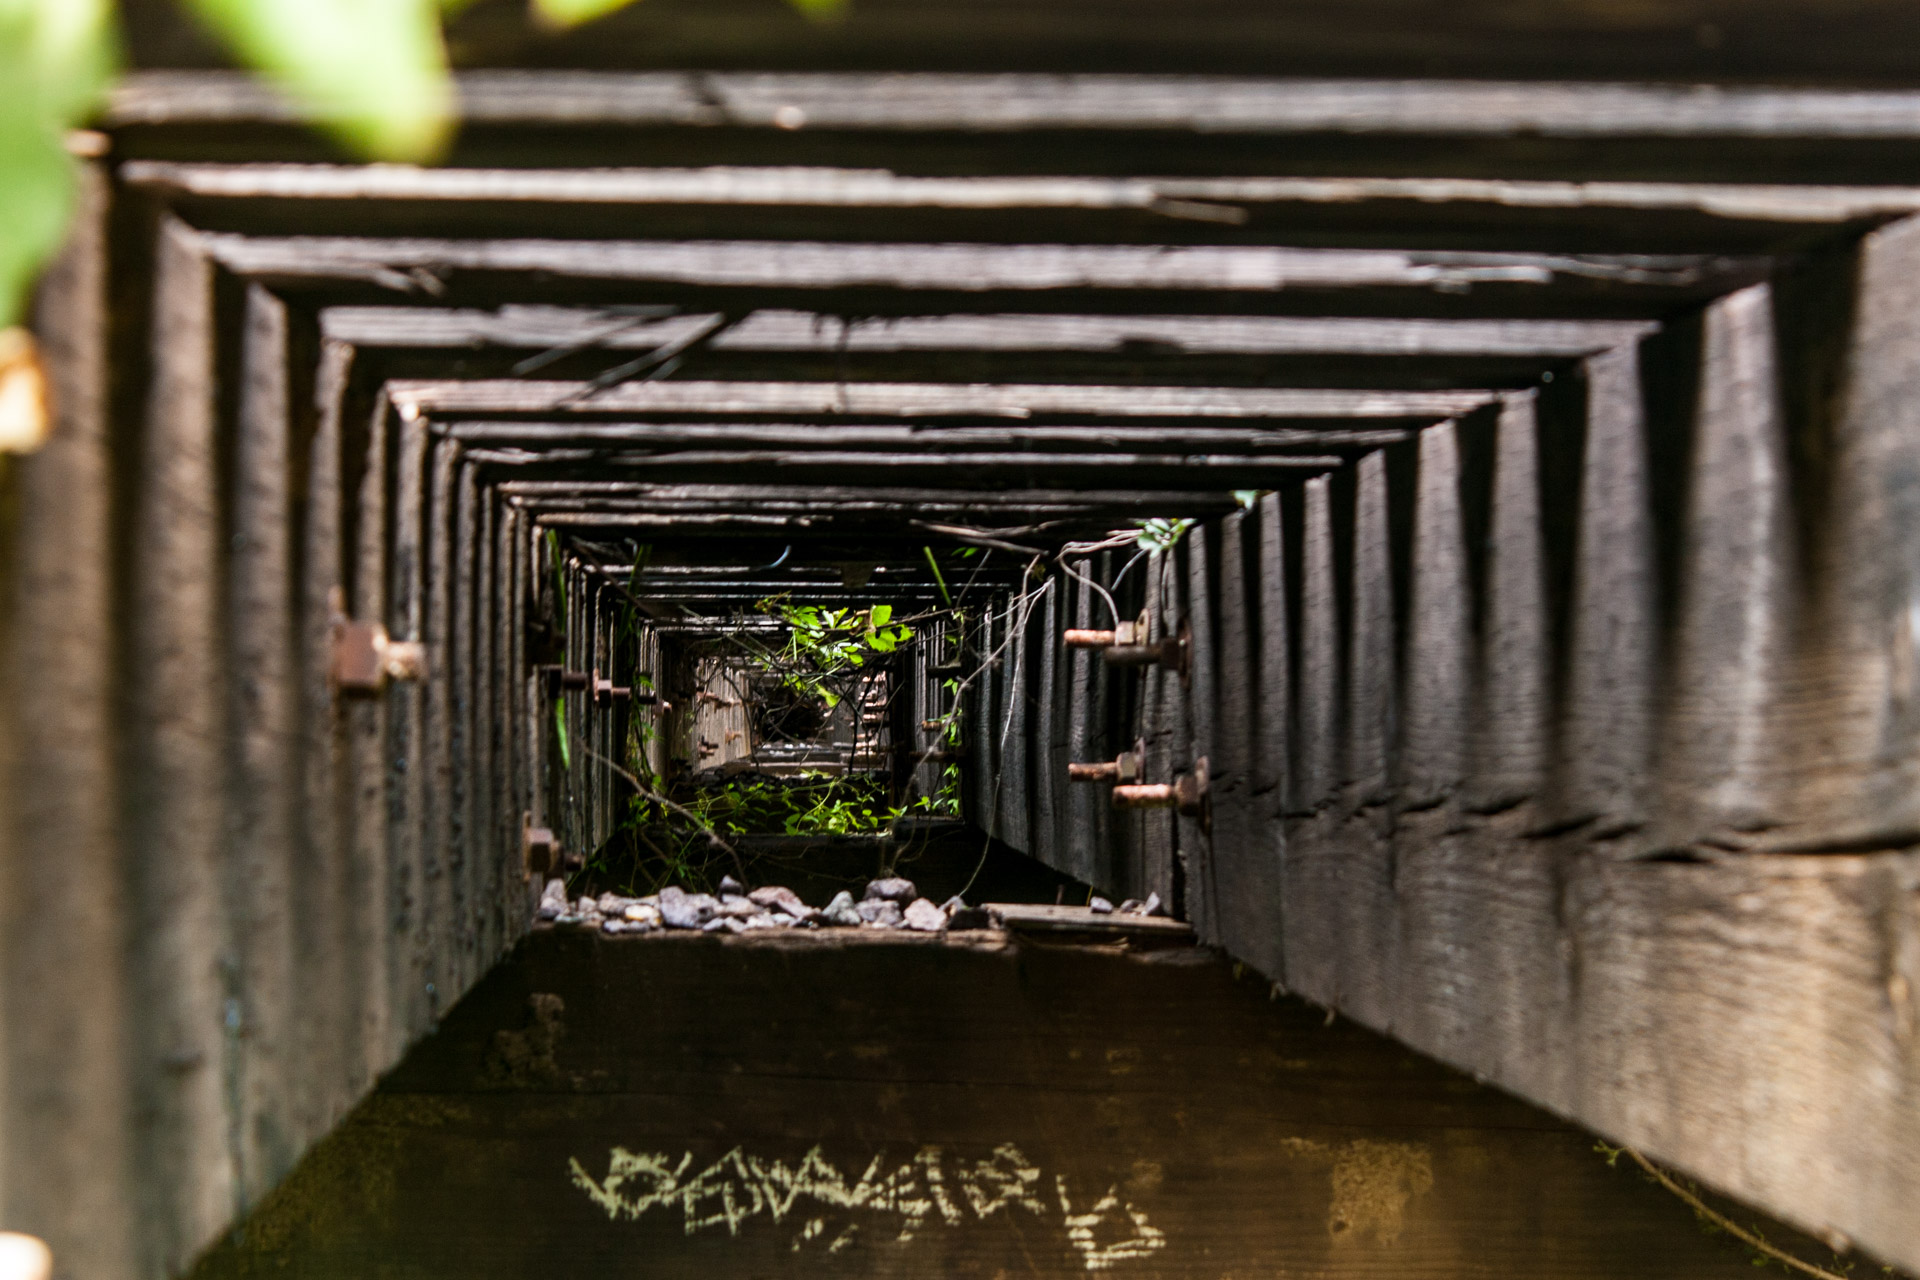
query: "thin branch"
1728, 1225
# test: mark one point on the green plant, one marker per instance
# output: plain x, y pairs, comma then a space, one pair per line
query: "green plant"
1162, 535
826, 644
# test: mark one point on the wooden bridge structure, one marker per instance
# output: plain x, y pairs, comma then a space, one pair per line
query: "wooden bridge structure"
1557, 696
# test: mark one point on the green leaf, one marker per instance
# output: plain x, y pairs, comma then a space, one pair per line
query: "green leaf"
373, 71
571, 13
880, 615
560, 729
56, 57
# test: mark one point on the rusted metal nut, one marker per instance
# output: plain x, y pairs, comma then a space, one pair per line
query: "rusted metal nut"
605, 690
364, 659
539, 849
1123, 768
556, 679
1187, 793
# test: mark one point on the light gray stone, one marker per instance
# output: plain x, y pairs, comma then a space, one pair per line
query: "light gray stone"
925, 917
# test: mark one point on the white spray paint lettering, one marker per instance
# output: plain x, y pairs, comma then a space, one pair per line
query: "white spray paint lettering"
737, 1188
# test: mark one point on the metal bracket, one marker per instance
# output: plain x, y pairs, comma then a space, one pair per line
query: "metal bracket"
364, 658
1123, 768
1188, 793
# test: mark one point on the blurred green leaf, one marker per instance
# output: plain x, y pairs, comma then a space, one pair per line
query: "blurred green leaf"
571, 13
373, 71
880, 615
56, 57
821, 10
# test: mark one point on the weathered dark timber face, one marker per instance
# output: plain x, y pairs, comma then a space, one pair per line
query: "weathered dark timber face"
973, 1107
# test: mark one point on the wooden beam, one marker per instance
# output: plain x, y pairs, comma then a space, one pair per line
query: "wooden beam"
896, 101
412, 265
1216, 199
923, 400
775, 329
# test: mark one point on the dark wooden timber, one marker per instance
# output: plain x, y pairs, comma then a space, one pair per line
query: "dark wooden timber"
1045, 1109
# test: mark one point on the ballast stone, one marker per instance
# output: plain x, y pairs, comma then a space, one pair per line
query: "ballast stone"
925, 917
893, 889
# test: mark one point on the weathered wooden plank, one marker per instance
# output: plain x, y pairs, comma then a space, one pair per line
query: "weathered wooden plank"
175, 731
414, 920
922, 399
1849, 751
1738, 580
466, 818
780, 329
1372, 667
1091, 435
877, 189
263, 710
68, 1039
1607, 726
374, 880
327, 1038
1215, 472
1007, 102
1246, 882
1049, 730
443, 885
1318, 762
1199, 727
1273, 736
1436, 729
959, 268
1513, 666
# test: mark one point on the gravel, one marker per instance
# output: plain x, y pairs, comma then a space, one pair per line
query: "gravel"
923, 916
881, 913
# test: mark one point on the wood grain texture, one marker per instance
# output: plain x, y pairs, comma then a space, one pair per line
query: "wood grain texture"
1607, 730
174, 734
1682, 1008
1372, 701
1319, 761
1435, 729
1513, 687
263, 710
68, 1038
1197, 728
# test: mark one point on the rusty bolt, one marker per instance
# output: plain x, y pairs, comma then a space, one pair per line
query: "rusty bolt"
364, 658
557, 679
1124, 768
605, 690
1187, 793
1127, 646
539, 848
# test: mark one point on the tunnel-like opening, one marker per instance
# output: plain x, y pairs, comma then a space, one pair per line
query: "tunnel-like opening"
1398, 539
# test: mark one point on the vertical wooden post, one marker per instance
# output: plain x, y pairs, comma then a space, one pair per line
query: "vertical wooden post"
175, 732
67, 1027
1607, 729
1513, 680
